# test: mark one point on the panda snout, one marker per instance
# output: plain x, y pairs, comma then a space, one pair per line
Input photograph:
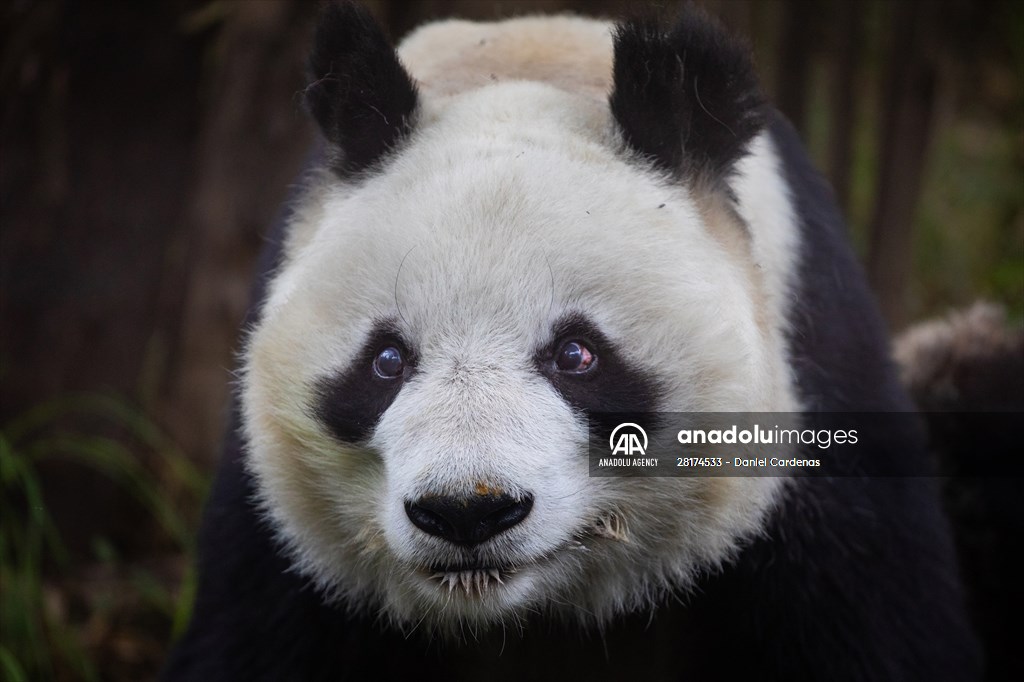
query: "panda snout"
468, 521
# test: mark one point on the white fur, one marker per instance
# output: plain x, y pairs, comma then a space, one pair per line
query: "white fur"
454, 56
511, 205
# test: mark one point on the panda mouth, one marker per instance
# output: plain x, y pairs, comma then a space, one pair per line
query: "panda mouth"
473, 580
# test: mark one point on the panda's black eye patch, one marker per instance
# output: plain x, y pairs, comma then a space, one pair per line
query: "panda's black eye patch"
575, 357
592, 374
389, 363
351, 401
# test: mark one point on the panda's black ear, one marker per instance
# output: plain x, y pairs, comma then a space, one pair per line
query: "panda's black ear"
360, 95
686, 98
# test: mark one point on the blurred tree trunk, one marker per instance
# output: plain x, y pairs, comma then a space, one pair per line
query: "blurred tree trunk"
252, 142
793, 58
847, 29
908, 102
98, 122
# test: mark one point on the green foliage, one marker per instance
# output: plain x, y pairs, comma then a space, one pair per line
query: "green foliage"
39, 643
970, 238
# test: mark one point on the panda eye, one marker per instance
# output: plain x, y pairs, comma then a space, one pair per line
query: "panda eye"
574, 357
389, 363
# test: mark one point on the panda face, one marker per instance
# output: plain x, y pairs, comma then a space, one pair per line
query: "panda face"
418, 391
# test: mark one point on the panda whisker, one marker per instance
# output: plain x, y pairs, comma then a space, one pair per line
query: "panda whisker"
419, 622
611, 526
563, 602
574, 493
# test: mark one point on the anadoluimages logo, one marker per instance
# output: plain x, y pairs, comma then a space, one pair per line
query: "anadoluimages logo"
628, 439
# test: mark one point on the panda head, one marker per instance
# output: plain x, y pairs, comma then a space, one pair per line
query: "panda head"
480, 273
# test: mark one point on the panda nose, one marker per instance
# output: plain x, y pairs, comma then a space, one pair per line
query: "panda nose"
468, 521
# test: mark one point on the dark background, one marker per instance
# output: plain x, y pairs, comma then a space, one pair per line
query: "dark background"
145, 148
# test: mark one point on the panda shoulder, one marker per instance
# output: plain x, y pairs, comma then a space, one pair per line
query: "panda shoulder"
970, 359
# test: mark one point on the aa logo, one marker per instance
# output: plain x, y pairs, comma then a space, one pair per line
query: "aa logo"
628, 439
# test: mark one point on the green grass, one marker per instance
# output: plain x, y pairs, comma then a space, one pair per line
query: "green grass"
37, 643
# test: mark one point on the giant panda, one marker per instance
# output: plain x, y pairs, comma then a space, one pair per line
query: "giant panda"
514, 229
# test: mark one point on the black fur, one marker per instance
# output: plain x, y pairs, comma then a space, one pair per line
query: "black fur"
686, 98
971, 379
615, 387
351, 403
360, 94
855, 578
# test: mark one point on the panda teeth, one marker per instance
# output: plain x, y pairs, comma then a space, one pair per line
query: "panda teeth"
473, 581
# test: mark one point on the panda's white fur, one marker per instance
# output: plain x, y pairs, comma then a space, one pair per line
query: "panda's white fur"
513, 203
